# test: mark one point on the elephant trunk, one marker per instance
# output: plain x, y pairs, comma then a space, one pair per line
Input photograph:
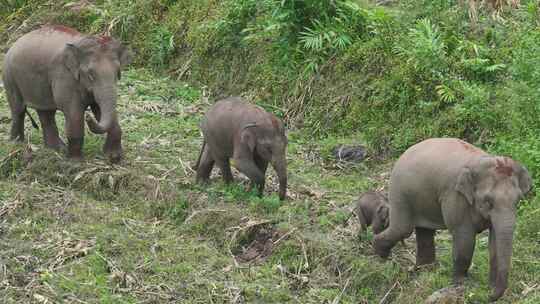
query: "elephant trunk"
503, 227
106, 99
279, 162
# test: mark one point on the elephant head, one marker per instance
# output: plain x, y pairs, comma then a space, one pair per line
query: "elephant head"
493, 186
270, 144
373, 209
95, 63
380, 222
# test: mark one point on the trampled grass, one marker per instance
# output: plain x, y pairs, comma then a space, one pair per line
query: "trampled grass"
144, 232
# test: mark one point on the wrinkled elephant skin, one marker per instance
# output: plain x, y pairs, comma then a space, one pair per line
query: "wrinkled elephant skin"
246, 136
446, 183
57, 68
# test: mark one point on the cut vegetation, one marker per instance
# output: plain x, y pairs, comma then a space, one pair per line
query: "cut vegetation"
350, 74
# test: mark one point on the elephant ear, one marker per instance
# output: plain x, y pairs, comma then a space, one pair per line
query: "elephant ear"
465, 184
525, 180
247, 138
72, 60
361, 218
383, 213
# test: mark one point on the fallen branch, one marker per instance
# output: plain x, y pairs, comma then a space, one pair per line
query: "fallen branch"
383, 300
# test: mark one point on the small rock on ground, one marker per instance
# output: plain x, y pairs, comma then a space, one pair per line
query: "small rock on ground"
349, 153
448, 295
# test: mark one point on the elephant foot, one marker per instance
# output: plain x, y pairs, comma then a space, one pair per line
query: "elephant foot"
282, 195
113, 149
496, 296
113, 156
16, 138
74, 149
56, 145
76, 158
459, 280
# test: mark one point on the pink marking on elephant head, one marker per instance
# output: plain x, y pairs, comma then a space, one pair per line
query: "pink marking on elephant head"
470, 148
275, 123
104, 40
62, 29
504, 167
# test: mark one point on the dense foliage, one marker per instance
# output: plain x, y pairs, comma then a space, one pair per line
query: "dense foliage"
396, 74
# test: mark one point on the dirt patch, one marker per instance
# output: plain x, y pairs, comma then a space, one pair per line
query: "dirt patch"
253, 241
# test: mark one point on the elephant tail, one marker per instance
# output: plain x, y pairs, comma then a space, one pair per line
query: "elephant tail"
196, 166
34, 124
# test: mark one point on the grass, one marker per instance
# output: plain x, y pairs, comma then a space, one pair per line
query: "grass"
144, 232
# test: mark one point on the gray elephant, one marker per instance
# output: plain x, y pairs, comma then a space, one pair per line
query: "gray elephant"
246, 136
372, 209
446, 183
57, 68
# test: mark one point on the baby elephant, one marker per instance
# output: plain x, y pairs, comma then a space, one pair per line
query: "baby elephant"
372, 209
246, 136
446, 183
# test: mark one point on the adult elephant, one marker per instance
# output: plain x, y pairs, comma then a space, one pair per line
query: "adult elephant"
247, 136
446, 183
57, 68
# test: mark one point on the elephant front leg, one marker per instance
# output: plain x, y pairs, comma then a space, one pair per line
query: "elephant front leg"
250, 169
75, 134
425, 246
262, 164
463, 249
113, 144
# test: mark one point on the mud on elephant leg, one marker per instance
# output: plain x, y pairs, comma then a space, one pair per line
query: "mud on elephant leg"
425, 246
113, 144
462, 251
17, 126
75, 134
50, 130
206, 163
263, 166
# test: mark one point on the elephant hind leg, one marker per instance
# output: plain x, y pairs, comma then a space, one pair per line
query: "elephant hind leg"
425, 246
206, 164
225, 167
50, 130
18, 111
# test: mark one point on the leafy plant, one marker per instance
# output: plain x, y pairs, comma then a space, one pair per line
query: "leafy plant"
424, 49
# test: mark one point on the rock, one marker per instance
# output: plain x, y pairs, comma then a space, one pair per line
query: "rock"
448, 295
349, 153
